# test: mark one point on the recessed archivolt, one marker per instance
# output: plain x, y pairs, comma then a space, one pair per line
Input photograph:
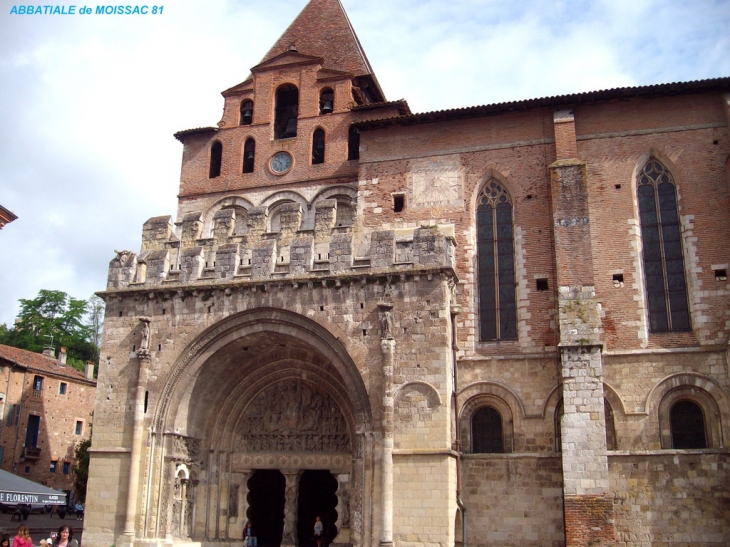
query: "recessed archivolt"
223, 423
688, 379
470, 396
268, 321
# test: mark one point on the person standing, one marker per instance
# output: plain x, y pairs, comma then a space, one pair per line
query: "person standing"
249, 536
65, 538
22, 537
318, 531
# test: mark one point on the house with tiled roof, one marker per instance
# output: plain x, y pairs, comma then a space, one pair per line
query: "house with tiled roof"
46, 409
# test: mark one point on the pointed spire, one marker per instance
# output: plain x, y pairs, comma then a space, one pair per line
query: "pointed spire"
322, 29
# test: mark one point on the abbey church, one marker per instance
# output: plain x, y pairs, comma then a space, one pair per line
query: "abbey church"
501, 325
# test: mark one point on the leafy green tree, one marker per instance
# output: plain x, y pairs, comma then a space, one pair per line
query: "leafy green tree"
81, 469
53, 317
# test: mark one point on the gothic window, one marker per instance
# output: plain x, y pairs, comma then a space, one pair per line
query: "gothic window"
318, 146
249, 153
687, 423
495, 266
287, 110
353, 143
326, 101
216, 158
486, 431
666, 289
246, 112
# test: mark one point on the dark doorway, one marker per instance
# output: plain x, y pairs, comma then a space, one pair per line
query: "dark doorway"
266, 506
316, 498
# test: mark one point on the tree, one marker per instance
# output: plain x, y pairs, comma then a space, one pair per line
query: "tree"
81, 469
55, 318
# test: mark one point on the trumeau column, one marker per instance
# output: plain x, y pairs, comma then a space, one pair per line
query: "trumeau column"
143, 356
343, 509
387, 347
291, 498
588, 505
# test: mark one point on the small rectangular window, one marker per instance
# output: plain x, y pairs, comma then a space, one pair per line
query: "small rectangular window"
66, 468
27, 470
62, 388
542, 284
54, 465
399, 202
79, 427
37, 383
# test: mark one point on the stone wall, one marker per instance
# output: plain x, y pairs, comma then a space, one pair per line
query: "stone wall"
677, 498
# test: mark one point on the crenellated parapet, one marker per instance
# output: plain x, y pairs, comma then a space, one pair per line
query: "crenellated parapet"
259, 255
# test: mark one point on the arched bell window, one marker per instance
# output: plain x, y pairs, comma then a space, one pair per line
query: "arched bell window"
249, 153
318, 146
326, 101
247, 112
287, 110
216, 158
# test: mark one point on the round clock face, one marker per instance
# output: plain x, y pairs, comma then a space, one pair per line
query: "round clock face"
280, 163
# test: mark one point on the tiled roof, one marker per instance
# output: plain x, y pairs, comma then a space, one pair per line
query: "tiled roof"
616, 94
323, 29
39, 362
180, 134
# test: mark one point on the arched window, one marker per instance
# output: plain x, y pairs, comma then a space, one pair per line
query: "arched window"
496, 269
666, 289
610, 427
287, 110
486, 431
353, 143
216, 157
246, 112
687, 422
326, 101
318, 146
249, 154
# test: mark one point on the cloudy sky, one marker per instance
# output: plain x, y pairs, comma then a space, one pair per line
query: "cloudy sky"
89, 103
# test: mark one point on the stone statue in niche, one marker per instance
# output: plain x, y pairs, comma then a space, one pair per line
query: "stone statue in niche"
144, 345
386, 322
293, 416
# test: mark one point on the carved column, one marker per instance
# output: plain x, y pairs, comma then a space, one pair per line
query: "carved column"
387, 348
291, 497
143, 356
343, 509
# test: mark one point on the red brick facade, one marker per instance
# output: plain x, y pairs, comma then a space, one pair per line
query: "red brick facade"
60, 399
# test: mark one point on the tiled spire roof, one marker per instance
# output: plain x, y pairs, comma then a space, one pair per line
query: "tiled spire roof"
322, 29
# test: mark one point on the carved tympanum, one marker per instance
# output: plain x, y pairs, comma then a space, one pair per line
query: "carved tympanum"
293, 416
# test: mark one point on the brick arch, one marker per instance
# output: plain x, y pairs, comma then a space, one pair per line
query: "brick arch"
177, 390
700, 389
